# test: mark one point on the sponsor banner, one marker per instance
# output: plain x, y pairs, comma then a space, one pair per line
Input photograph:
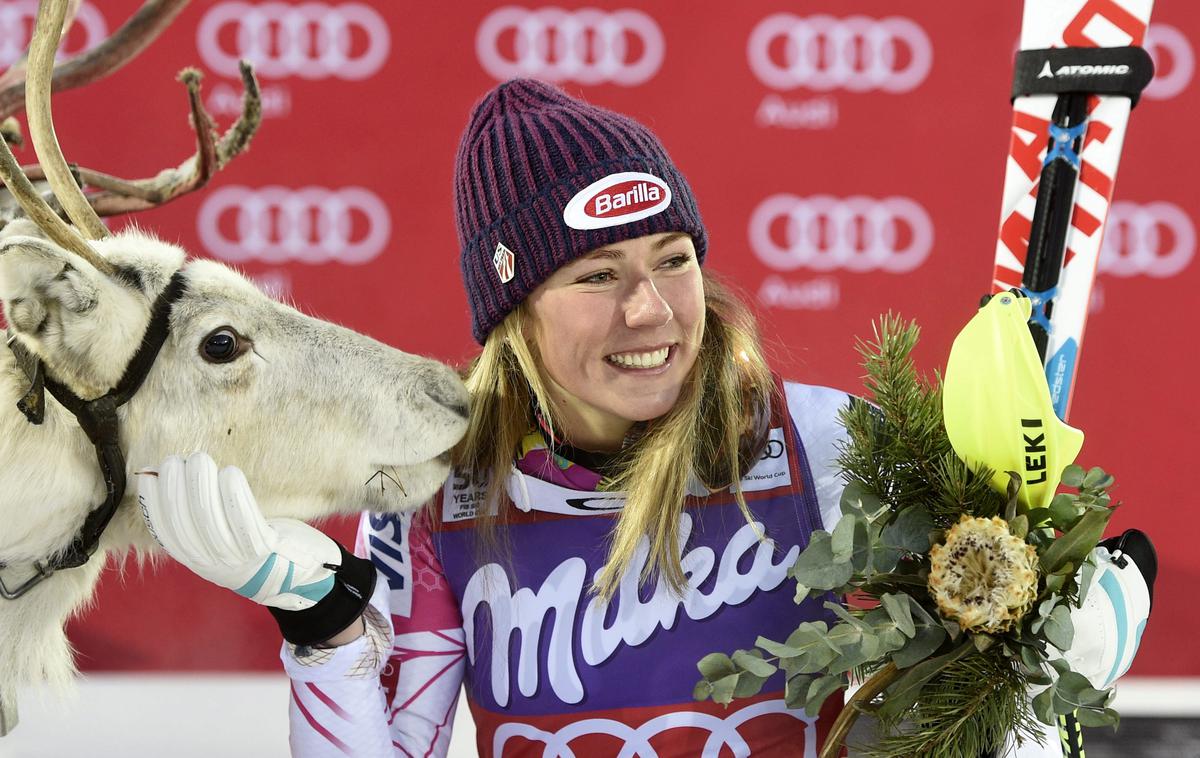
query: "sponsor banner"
314, 41
308, 225
311, 40
822, 53
585, 45
847, 160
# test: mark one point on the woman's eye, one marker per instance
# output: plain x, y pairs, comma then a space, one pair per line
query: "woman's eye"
222, 346
678, 261
600, 277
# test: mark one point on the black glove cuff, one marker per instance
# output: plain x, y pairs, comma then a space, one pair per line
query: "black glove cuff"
353, 583
1137, 545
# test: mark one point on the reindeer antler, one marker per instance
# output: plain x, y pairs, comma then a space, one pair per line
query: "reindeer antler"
46, 34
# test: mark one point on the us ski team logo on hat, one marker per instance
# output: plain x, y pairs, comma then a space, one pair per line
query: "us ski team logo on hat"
504, 261
617, 199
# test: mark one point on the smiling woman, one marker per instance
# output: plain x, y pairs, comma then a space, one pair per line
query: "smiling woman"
632, 487
617, 333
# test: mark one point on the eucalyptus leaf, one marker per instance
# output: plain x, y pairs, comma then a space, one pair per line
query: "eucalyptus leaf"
748, 684
702, 690
1063, 511
855, 653
807, 648
751, 660
722, 689
817, 568
897, 607
848, 617
777, 649
856, 498
1031, 658
910, 530
1076, 690
1072, 476
841, 542
1059, 630
1093, 718
1043, 707
1060, 666
715, 666
1097, 478
929, 634
851, 542
796, 691
819, 690
1019, 526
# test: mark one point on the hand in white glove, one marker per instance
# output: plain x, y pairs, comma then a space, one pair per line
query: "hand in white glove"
211, 523
1109, 623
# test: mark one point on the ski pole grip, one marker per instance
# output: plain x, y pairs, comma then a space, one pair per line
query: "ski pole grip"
1091, 70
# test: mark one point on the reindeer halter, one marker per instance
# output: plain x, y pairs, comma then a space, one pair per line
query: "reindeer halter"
98, 419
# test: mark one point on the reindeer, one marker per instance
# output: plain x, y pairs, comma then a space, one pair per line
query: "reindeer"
143, 353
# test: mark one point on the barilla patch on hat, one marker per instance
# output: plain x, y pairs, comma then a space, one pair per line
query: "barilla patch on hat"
505, 263
617, 199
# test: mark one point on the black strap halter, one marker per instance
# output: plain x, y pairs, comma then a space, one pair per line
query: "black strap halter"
98, 419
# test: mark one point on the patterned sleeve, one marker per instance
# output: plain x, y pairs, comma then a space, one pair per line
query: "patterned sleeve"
814, 410
392, 692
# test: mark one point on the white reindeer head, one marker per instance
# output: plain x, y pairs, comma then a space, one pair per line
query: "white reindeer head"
321, 419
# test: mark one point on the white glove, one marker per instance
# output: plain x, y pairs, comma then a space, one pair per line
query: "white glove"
211, 523
1109, 623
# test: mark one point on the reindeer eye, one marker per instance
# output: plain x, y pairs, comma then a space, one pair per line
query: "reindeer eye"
222, 345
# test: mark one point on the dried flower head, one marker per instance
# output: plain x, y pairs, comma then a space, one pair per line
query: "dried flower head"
982, 576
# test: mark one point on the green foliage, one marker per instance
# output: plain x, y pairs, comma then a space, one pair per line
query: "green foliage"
955, 692
969, 706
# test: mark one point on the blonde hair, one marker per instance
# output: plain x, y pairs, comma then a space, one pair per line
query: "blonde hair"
714, 432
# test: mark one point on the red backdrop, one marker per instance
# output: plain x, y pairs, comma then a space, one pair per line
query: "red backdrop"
892, 127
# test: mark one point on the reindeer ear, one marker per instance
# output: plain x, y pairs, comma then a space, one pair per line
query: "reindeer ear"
37, 278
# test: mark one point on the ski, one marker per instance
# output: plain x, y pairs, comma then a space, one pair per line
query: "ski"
1078, 74
1083, 58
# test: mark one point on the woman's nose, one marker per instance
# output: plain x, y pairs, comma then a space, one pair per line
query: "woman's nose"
646, 306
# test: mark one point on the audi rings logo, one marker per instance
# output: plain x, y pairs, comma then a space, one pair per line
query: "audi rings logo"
16, 28
1154, 239
822, 53
1174, 61
587, 45
311, 40
824, 233
310, 225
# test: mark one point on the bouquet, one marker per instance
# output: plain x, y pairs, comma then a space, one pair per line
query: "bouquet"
959, 591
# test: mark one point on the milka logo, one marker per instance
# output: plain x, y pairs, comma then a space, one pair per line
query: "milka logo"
525, 611
1111, 70
617, 199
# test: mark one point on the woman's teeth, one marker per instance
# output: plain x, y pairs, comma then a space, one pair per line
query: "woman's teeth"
651, 359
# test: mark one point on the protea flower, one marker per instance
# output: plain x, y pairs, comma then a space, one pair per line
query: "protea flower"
982, 576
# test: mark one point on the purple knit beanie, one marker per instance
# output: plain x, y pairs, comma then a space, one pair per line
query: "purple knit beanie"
541, 178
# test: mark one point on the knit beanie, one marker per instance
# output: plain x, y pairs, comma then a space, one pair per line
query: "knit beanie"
542, 178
